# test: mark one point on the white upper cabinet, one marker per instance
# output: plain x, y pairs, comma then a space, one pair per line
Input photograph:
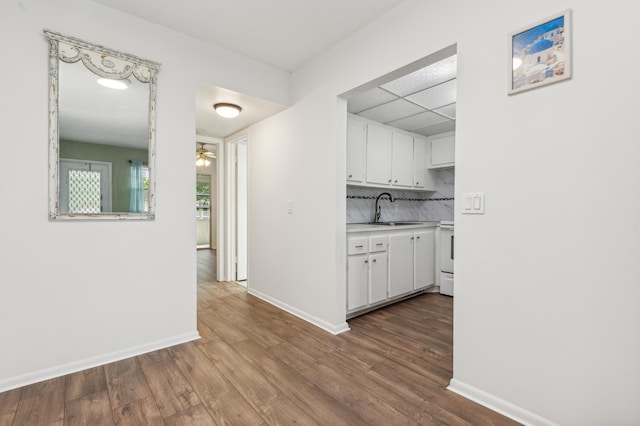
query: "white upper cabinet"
384, 157
402, 160
356, 148
443, 150
379, 151
422, 178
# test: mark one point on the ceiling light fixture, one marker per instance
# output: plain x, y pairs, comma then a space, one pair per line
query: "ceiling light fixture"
114, 84
227, 110
201, 160
203, 155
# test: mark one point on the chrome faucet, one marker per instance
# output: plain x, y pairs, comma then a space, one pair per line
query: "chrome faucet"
376, 213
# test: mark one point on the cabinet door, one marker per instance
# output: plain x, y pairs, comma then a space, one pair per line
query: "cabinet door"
378, 155
402, 160
425, 258
422, 178
443, 151
356, 140
400, 264
378, 277
357, 281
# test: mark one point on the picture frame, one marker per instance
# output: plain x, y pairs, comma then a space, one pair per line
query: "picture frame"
540, 54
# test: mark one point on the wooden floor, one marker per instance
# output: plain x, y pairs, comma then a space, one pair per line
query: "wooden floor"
257, 365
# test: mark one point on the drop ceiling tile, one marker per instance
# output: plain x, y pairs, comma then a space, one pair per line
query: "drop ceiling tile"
391, 111
424, 78
418, 121
436, 129
448, 111
437, 96
370, 99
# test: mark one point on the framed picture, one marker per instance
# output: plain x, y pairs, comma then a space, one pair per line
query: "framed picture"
540, 54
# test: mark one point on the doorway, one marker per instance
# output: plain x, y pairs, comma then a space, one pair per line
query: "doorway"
204, 226
208, 200
85, 186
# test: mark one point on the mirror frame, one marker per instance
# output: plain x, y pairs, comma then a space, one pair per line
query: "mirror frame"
142, 69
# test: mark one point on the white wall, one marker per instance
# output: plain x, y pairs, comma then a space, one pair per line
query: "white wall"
292, 257
546, 309
74, 294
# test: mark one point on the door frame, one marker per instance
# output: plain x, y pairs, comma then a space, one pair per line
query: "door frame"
221, 271
231, 203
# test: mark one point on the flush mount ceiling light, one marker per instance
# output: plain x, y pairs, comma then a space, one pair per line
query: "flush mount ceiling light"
227, 110
114, 84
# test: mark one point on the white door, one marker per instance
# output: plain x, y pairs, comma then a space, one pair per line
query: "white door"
84, 186
241, 212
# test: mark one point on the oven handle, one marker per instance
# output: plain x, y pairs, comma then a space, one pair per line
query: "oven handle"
452, 247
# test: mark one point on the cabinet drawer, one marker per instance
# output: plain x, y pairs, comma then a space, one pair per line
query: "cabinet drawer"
378, 243
357, 245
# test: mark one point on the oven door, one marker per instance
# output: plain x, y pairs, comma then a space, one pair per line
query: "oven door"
446, 250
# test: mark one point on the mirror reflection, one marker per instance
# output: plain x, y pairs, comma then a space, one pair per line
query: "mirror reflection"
104, 139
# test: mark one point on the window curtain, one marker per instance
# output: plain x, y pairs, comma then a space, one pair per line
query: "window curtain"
136, 203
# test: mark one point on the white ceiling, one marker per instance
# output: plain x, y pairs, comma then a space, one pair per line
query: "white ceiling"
283, 33
288, 34
208, 123
423, 101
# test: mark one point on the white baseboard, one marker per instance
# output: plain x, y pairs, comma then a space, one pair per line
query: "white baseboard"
331, 328
498, 405
73, 367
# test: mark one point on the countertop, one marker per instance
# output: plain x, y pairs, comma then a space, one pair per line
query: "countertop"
399, 226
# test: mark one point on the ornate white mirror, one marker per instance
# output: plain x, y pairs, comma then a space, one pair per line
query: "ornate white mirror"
101, 132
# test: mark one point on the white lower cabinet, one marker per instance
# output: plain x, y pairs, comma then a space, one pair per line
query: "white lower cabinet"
386, 265
378, 277
400, 264
424, 259
367, 271
412, 261
367, 278
358, 278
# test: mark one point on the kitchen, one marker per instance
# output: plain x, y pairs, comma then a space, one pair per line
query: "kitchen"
400, 187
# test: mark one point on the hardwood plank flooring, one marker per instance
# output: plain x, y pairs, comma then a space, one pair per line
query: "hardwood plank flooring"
258, 365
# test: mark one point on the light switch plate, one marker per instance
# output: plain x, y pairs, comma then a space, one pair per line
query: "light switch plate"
473, 203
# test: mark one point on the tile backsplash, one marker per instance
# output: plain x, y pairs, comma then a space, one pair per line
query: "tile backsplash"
361, 210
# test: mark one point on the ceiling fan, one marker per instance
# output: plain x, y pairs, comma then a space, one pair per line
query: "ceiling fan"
203, 155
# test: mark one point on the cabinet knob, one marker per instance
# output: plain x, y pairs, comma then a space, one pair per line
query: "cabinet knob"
389, 181
350, 176
395, 181
418, 237
374, 260
366, 261
417, 183
412, 238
